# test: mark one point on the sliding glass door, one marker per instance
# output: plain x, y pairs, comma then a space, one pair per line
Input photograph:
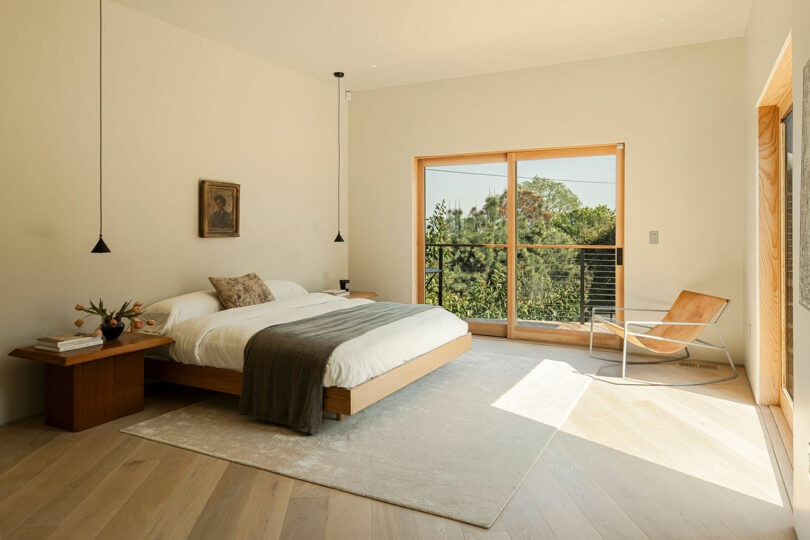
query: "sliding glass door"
465, 242
566, 246
523, 244
786, 263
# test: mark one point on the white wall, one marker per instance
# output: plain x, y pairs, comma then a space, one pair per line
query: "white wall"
801, 321
678, 110
800, 21
178, 107
801, 346
769, 24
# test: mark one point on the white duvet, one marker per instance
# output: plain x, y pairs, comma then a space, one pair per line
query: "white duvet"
219, 339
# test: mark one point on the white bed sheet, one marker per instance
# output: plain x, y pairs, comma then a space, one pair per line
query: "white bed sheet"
219, 339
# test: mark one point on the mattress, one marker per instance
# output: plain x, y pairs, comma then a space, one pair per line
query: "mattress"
218, 339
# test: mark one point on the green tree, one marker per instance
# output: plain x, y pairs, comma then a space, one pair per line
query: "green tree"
557, 198
548, 213
588, 226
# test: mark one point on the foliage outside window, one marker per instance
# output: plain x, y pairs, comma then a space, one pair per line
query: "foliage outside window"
549, 279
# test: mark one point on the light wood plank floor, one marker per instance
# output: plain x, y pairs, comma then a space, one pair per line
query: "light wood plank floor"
630, 462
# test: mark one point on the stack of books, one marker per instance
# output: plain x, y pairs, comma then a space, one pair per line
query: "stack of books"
336, 292
67, 342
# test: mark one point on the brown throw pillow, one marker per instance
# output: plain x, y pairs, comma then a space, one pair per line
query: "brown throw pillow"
247, 290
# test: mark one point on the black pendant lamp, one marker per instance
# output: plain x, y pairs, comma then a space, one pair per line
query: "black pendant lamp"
338, 75
100, 246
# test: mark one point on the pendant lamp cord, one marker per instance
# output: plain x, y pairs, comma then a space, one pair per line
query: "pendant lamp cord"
100, 124
338, 155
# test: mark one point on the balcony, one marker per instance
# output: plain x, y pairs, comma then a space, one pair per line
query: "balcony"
557, 285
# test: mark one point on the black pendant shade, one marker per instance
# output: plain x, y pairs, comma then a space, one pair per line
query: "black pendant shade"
101, 246
338, 75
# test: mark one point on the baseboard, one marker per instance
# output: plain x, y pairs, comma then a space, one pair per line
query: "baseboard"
20, 419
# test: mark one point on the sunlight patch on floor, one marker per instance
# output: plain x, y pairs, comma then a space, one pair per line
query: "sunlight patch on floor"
713, 432
546, 394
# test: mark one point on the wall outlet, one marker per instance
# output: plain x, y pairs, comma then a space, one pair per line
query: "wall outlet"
653, 237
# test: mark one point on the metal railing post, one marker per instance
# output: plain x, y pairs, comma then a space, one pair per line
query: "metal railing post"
582, 286
441, 272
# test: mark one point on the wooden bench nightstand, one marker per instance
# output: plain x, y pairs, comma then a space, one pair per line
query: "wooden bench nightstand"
91, 386
360, 294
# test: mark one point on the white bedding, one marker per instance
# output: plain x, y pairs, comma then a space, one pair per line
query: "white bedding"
219, 339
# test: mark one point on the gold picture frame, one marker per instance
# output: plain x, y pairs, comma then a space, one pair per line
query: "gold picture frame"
219, 209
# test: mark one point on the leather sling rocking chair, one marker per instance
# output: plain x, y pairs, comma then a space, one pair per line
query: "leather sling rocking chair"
680, 329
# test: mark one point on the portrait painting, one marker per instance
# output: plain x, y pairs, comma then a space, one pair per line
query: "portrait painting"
219, 209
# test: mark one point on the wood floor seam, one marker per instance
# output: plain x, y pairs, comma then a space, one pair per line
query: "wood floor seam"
629, 462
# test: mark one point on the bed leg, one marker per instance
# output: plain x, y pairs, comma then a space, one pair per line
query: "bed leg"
339, 417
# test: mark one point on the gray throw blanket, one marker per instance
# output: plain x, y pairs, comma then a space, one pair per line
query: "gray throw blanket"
282, 380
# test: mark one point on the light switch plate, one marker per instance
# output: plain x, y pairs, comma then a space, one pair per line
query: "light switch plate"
653, 237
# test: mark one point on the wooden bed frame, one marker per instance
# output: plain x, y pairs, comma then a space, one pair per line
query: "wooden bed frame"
340, 401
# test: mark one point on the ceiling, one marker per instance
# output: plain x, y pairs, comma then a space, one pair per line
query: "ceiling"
421, 40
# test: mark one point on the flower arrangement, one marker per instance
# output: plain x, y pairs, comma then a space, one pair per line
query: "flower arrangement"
112, 322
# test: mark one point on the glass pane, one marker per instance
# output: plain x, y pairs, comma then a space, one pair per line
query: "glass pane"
567, 201
471, 199
788, 339
465, 207
471, 284
563, 202
558, 287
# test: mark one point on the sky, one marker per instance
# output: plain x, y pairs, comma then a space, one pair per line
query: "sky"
592, 178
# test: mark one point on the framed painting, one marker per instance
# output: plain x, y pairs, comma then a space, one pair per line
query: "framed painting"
219, 209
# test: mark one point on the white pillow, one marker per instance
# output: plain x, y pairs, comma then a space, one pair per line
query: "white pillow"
282, 289
166, 313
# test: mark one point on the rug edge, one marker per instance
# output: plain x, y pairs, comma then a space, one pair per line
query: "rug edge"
483, 524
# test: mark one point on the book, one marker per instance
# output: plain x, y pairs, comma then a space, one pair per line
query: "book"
72, 347
63, 346
65, 338
336, 292
61, 342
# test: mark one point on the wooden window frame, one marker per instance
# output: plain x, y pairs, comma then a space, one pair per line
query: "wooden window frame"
774, 104
511, 157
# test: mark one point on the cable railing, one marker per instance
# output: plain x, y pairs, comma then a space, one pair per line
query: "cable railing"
555, 283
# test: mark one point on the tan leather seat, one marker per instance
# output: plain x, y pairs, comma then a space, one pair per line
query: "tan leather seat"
689, 307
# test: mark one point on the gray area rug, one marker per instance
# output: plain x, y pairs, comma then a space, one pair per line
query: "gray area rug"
457, 443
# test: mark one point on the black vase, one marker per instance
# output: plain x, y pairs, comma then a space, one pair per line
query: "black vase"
112, 332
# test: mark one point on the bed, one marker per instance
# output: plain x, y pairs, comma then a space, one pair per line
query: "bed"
209, 345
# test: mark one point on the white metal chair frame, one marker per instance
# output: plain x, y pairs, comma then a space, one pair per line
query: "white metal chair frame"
626, 326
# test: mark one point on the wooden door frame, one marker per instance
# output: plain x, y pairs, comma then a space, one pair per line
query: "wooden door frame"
511, 330
419, 164
774, 104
